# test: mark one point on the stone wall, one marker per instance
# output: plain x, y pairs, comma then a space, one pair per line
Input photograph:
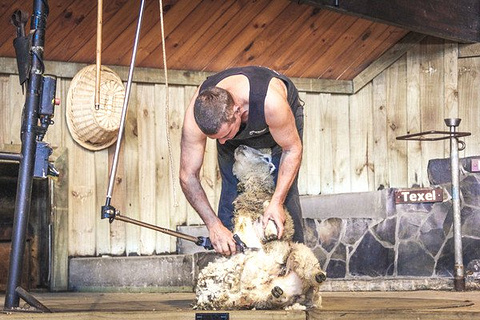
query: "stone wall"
411, 240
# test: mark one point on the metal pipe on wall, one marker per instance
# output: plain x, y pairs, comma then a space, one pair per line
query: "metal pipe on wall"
459, 274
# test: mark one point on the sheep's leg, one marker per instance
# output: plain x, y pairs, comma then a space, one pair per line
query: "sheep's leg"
277, 292
303, 261
313, 298
320, 277
267, 234
271, 232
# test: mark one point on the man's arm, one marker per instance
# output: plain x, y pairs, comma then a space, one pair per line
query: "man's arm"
281, 122
191, 159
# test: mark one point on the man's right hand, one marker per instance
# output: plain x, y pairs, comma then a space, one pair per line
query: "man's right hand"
222, 239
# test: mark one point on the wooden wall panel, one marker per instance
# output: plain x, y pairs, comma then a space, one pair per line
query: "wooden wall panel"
380, 144
82, 200
349, 145
147, 165
165, 201
176, 114
4, 108
132, 176
432, 96
106, 234
361, 140
312, 141
340, 143
17, 101
450, 66
469, 103
179, 205
303, 172
326, 161
417, 176
396, 123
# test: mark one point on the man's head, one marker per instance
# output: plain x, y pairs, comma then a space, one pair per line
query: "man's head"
213, 107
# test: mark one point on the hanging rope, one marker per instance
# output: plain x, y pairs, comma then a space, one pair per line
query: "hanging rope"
98, 53
167, 112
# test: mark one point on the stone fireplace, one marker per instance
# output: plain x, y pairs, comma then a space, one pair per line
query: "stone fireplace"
370, 237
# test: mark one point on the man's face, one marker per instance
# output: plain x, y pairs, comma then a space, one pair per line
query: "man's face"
228, 130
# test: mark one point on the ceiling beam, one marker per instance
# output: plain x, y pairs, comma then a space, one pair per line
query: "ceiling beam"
386, 60
456, 20
177, 77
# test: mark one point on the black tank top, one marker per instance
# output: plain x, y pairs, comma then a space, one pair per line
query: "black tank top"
255, 132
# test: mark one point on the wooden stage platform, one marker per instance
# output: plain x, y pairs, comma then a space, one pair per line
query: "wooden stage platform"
178, 306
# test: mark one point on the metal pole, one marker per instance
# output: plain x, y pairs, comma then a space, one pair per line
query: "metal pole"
27, 163
459, 276
113, 171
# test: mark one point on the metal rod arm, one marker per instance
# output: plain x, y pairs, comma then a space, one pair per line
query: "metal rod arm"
121, 129
10, 156
157, 228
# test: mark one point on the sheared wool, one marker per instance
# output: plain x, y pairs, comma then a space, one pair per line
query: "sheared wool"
280, 274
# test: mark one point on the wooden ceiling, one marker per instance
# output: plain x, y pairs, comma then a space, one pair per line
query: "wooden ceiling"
299, 40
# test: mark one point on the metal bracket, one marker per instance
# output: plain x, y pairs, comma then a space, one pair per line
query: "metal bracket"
422, 136
434, 135
31, 300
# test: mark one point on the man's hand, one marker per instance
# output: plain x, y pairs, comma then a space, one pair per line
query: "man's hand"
222, 239
275, 212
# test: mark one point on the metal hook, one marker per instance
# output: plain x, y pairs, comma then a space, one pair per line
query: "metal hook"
461, 145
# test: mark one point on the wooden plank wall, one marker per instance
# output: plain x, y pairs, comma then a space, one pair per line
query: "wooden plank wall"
350, 146
350, 141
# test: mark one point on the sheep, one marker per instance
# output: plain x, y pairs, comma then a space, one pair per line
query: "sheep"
272, 273
253, 168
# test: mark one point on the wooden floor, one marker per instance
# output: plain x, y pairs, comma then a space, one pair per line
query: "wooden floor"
176, 306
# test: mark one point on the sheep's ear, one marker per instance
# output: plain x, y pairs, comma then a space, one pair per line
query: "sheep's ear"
272, 167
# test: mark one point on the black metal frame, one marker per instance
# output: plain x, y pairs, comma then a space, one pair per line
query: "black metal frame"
36, 118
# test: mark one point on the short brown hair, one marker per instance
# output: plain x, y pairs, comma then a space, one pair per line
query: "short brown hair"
213, 107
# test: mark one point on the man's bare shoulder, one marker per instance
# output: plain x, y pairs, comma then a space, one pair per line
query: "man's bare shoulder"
278, 86
190, 130
276, 99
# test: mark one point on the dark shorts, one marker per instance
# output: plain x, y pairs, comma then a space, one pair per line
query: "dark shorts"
229, 181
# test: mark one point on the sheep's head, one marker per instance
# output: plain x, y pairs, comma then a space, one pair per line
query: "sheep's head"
253, 164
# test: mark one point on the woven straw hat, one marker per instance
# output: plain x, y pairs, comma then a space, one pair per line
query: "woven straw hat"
95, 129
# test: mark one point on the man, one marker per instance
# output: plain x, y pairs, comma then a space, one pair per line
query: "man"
254, 106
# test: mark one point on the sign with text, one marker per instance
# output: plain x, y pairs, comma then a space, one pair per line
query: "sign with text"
419, 195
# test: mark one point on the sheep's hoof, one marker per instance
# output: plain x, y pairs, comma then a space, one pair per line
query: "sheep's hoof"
277, 292
270, 237
320, 277
270, 232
